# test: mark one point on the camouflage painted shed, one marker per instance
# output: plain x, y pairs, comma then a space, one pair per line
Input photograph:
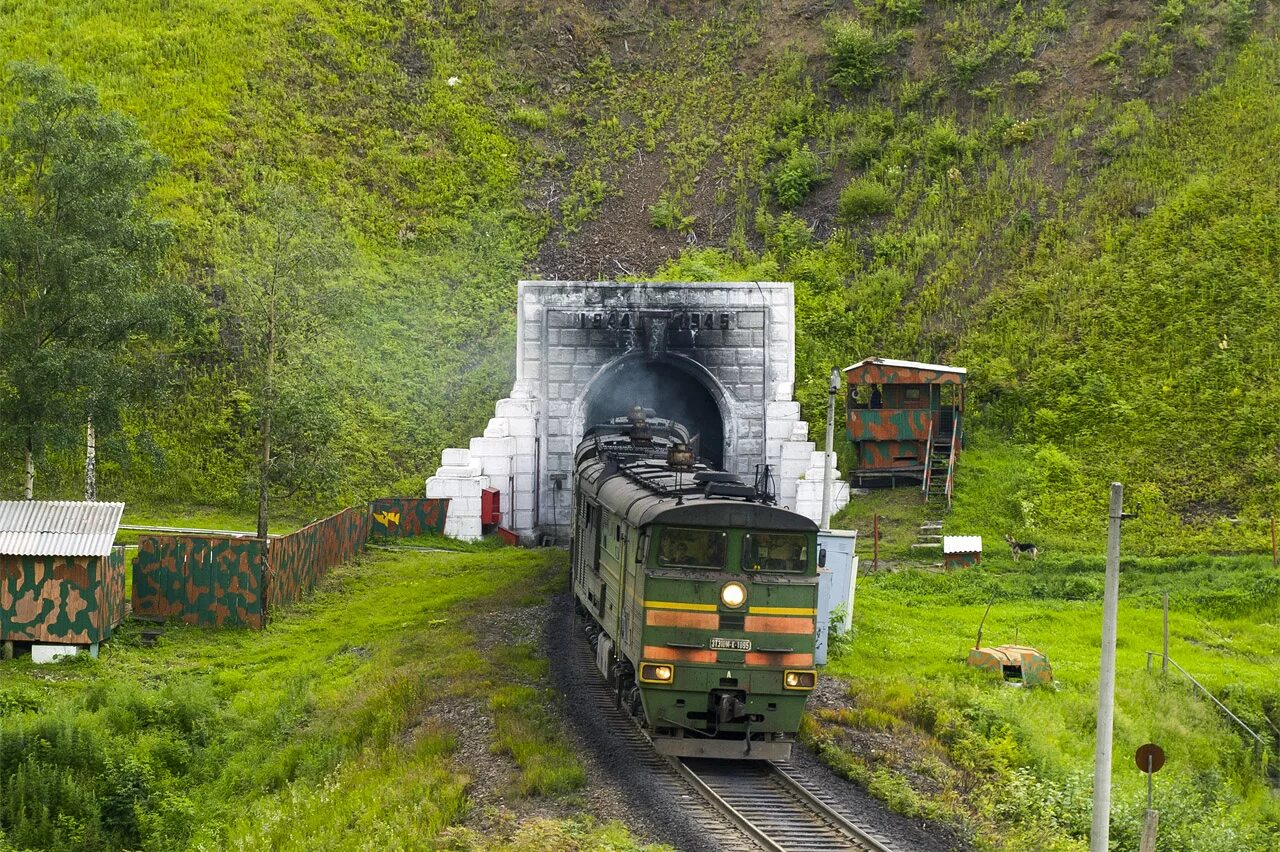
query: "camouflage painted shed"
61, 575
904, 422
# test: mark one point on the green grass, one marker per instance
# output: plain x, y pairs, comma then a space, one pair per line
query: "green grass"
326, 730
1013, 766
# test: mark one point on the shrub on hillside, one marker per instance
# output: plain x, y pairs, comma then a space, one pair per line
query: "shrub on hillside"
667, 215
1239, 20
864, 197
944, 144
796, 175
790, 233
856, 54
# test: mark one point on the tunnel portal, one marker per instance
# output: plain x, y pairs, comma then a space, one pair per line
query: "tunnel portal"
718, 357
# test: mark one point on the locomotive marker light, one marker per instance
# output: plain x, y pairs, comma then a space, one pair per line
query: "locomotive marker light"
800, 679
733, 594
656, 673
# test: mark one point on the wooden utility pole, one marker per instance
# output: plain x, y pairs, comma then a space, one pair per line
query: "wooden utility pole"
1275, 554
264, 471
875, 542
1101, 829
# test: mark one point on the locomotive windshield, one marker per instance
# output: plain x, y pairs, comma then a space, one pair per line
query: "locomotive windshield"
686, 548
784, 552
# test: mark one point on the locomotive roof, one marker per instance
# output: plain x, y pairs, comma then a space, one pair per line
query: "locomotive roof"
642, 503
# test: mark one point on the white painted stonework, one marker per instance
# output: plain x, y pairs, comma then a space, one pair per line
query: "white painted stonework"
733, 342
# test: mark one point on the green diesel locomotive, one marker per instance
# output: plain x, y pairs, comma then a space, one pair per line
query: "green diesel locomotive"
700, 597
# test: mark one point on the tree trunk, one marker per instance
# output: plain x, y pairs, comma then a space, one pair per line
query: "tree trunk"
90, 461
30, 490
264, 469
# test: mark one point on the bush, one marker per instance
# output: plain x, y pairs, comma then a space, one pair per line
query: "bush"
790, 234
906, 12
856, 54
860, 151
1239, 20
667, 215
864, 197
943, 144
796, 175
1029, 79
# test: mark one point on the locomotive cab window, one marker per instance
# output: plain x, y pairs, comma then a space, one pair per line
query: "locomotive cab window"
686, 548
775, 552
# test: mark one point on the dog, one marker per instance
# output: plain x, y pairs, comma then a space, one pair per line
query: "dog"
1021, 547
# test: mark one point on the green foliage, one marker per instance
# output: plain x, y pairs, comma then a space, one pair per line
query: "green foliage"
864, 197
856, 55
795, 176
80, 259
666, 215
1028, 79
1239, 20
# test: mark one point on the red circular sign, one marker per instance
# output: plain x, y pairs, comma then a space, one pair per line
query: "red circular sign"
1149, 758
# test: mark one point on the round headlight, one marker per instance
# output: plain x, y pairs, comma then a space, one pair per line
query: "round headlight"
662, 672
793, 679
733, 594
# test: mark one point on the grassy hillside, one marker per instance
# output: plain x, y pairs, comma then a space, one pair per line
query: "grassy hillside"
1076, 201
310, 735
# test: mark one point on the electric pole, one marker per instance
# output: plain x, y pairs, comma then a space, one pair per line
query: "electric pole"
1098, 836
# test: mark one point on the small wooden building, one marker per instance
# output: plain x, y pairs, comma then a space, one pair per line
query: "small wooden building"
61, 577
904, 422
961, 551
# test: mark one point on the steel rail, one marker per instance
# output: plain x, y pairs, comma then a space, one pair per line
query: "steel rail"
774, 808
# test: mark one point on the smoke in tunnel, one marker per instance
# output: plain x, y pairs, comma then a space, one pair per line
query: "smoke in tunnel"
671, 392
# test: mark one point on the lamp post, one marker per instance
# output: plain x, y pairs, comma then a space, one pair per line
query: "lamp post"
833, 386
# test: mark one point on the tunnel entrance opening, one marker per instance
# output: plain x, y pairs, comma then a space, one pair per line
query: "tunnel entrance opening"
670, 391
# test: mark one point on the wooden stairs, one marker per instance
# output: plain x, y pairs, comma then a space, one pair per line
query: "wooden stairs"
939, 476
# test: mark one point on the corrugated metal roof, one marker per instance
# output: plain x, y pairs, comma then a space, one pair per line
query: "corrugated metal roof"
914, 365
961, 544
58, 528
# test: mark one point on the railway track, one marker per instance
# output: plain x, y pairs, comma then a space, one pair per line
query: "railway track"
743, 805
775, 808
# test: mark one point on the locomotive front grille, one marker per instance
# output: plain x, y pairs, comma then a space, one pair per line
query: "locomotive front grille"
732, 621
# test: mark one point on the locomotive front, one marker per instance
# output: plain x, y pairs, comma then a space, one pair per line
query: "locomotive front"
701, 595
728, 639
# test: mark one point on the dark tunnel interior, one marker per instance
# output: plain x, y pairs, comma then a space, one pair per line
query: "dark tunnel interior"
670, 392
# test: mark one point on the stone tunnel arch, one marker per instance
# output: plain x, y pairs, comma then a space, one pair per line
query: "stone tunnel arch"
675, 387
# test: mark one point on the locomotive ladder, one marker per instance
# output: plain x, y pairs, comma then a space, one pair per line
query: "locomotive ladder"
775, 808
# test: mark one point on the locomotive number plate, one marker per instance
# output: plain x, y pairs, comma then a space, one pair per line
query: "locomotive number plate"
718, 644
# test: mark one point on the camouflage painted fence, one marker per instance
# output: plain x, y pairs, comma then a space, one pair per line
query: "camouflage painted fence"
404, 517
215, 581
227, 581
74, 600
298, 560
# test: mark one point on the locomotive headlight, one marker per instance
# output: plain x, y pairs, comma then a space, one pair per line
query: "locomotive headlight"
733, 594
656, 673
799, 679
